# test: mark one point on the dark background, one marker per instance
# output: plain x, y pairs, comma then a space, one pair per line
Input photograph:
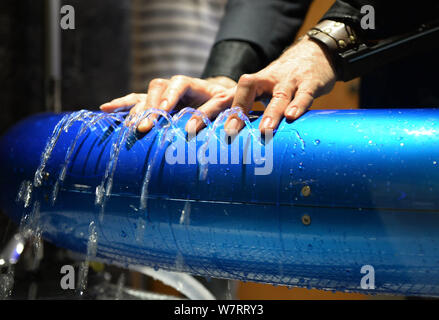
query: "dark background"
95, 69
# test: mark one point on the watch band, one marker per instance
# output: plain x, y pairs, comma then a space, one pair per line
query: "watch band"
336, 36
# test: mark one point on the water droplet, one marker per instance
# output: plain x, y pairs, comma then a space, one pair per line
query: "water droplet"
317, 142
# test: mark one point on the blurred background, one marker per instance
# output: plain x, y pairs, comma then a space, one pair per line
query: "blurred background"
116, 48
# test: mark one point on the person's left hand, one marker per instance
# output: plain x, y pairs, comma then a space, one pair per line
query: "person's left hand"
211, 95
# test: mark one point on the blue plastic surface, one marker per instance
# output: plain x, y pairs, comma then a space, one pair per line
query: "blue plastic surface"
367, 179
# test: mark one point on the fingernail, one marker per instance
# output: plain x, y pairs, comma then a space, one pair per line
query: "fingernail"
232, 127
266, 123
192, 126
291, 112
163, 104
145, 125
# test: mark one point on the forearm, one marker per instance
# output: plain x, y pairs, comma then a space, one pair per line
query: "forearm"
252, 34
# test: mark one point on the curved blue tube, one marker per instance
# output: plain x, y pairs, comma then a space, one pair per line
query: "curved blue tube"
348, 189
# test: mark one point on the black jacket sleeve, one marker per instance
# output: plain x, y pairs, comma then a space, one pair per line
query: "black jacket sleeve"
252, 34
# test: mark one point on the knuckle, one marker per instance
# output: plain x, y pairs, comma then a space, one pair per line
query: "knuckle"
306, 91
222, 97
247, 80
138, 108
178, 78
157, 83
280, 94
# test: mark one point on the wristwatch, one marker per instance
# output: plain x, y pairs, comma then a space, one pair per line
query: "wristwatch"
336, 36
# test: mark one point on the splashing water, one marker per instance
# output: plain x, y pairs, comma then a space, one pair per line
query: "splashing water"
29, 224
194, 112
103, 191
92, 246
95, 118
185, 213
120, 285
179, 263
63, 125
211, 132
7, 283
163, 138
25, 193
302, 142
50, 145
229, 294
140, 231
30, 227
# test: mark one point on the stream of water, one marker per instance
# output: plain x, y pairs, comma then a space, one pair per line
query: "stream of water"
31, 229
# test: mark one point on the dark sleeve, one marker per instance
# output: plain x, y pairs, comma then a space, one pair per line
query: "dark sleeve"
391, 17
252, 34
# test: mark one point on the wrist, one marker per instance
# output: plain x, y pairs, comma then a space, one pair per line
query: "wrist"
334, 38
329, 56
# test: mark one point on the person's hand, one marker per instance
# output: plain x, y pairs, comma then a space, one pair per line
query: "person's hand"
213, 95
301, 74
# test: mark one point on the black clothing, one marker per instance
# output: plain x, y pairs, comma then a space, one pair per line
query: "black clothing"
259, 29
391, 17
264, 30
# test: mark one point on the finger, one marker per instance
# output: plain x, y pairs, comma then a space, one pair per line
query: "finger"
126, 101
136, 110
212, 108
176, 89
244, 98
303, 99
155, 91
281, 97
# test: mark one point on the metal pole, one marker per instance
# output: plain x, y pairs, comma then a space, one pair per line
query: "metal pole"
53, 56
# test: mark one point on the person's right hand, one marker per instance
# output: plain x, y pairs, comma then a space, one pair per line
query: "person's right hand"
212, 95
302, 73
